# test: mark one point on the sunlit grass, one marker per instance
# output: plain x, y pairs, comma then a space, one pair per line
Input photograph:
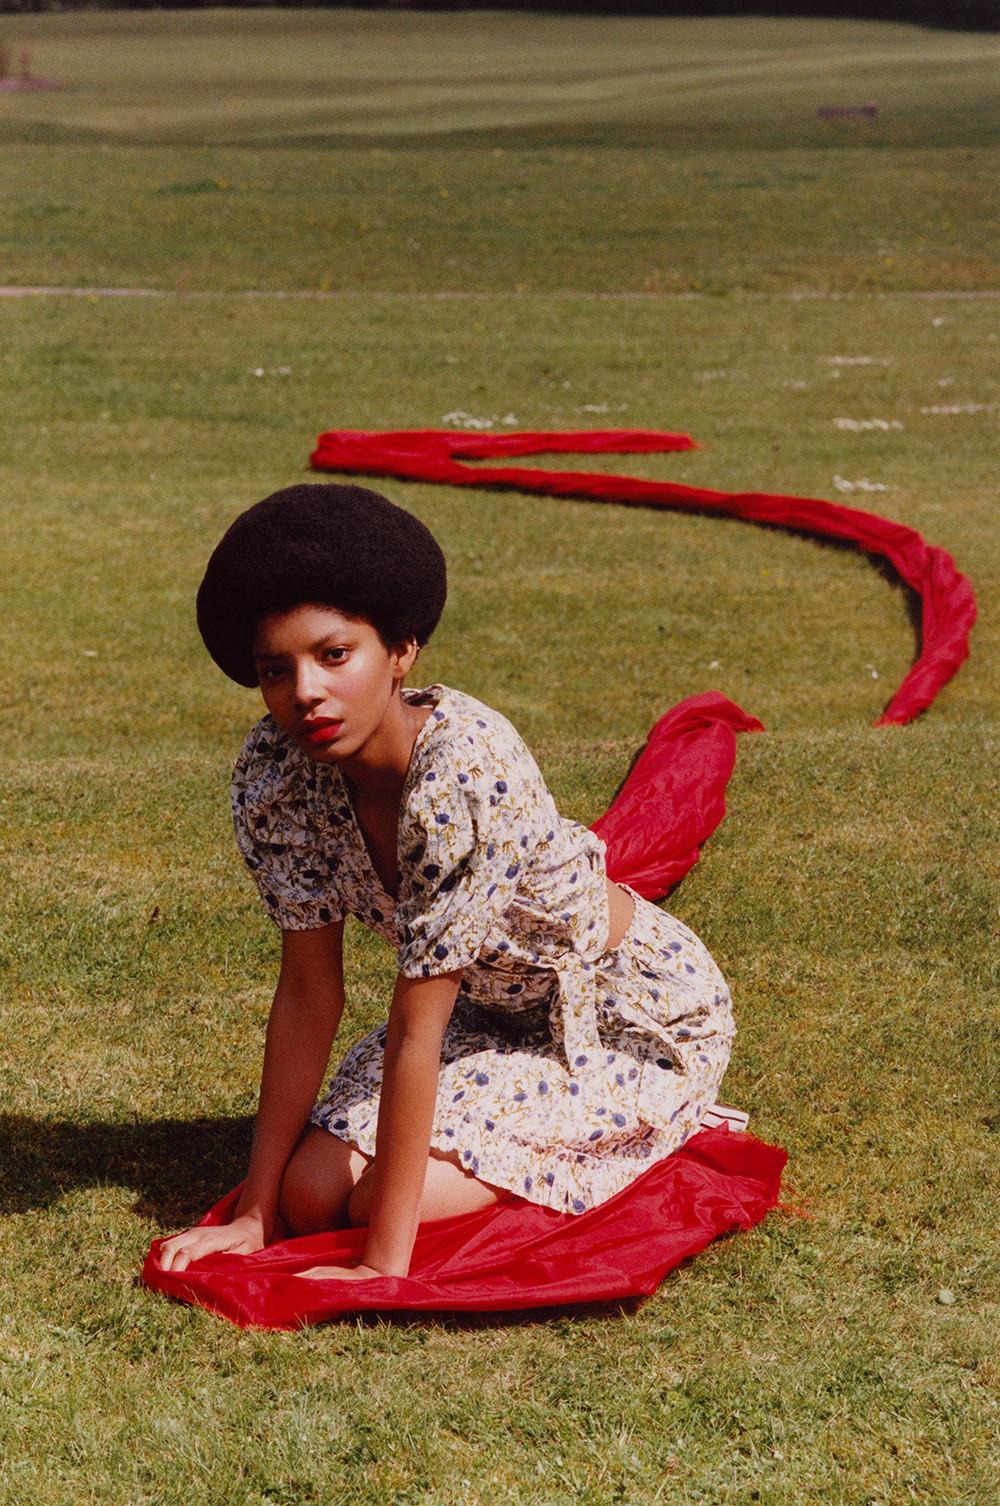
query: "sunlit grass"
849, 895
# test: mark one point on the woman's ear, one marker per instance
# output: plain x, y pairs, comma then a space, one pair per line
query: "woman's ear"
404, 657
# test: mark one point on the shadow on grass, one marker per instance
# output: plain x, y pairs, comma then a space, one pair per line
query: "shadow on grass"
177, 1167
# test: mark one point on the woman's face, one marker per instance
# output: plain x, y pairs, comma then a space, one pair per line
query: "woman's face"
328, 680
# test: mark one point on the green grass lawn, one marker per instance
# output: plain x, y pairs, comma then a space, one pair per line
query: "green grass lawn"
567, 176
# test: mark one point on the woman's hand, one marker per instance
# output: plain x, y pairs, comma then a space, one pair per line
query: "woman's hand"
341, 1273
244, 1236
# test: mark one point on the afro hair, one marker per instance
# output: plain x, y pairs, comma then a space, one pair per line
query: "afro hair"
328, 545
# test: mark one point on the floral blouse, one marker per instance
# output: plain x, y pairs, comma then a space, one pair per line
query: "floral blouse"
492, 879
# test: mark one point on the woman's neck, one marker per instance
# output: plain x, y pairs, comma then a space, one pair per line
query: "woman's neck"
377, 772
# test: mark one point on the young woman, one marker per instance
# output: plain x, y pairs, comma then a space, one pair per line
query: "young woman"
550, 1033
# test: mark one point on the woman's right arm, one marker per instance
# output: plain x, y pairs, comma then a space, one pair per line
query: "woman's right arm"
308, 1004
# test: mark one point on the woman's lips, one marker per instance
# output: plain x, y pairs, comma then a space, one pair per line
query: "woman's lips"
321, 731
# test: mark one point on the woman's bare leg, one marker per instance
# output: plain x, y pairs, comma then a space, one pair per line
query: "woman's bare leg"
448, 1190
318, 1182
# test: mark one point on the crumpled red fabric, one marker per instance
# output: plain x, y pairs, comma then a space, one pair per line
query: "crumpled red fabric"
515, 1255
948, 605
674, 797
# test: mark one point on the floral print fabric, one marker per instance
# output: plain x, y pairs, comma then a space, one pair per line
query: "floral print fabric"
566, 1069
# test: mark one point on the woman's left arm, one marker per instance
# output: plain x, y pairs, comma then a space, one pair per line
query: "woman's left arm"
421, 1008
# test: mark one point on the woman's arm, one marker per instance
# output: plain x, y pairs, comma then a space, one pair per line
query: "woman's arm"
421, 1008
307, 1008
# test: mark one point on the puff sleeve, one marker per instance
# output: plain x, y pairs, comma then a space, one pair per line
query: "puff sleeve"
467, 831
280, 834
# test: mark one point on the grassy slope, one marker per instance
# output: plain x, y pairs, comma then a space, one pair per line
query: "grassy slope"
847, 895
345, 150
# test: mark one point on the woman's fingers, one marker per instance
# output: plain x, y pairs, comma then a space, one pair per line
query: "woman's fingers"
340, 1273
177, 1253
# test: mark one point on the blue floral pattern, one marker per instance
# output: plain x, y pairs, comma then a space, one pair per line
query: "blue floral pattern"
566, 1068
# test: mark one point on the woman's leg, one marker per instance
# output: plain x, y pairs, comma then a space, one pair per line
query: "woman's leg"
448, 1190
318, 1182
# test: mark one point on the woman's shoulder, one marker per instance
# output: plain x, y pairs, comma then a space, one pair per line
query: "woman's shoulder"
460, 720
464, 733
266, 759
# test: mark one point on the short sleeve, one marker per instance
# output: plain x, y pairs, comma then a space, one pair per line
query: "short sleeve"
466, 832
294, 861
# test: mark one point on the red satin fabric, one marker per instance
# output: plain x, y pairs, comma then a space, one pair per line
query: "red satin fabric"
948, 606
515, 1255
674, 797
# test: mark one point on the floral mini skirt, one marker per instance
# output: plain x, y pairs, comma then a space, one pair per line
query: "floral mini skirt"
511, 1113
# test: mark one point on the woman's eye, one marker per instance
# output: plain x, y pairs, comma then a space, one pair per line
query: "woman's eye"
267, 675
334, 655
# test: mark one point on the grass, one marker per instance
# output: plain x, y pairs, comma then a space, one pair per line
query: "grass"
849, 894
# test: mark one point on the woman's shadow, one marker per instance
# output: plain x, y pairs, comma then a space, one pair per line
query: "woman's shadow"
176, 1167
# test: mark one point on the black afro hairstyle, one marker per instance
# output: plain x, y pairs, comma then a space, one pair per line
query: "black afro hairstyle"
336, 546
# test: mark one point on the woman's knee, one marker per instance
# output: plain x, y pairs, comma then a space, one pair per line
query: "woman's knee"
318, 1182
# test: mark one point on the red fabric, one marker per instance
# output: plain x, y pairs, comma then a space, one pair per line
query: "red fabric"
515, 1255
948, 606
674, 797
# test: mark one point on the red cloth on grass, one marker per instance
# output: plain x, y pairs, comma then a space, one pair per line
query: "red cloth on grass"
948, 606
514, 1255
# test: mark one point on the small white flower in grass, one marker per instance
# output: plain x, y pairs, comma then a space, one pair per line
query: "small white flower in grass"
864, 425
89, 653
862, 485
951, 408
257, 371
872, 671
937, 323
510, 419
715, 664
945, 382
946, 1297
595, 408
858, 361
459, 419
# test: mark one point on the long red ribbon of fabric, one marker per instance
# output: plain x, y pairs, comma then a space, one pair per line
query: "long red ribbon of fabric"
948, 606
518, 1255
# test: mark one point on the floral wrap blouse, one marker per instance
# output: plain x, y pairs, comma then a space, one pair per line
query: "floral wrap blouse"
493, 880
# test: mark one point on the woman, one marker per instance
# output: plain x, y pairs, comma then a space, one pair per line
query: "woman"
550, 1034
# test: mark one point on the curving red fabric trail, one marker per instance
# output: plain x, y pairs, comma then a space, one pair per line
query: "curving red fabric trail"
518, 1255
948, 606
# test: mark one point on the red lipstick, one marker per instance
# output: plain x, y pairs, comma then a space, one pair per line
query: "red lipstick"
323, 730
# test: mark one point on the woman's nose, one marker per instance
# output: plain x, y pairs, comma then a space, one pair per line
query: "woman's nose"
308, 688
